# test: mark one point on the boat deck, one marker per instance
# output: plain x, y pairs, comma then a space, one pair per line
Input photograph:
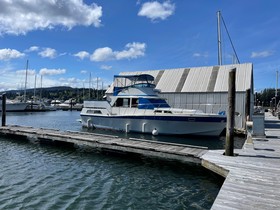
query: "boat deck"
253, 175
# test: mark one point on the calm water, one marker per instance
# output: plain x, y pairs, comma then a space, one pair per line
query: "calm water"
35, 176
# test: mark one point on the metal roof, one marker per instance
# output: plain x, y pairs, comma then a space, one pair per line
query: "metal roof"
199, 79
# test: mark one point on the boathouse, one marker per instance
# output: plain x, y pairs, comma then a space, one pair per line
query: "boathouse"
204, 88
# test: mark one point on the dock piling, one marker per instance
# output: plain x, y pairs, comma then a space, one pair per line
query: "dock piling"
3, 109
231, 112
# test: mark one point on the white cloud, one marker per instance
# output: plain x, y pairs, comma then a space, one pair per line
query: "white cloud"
19, 17
83, 72
102, 54
48, 53
32, 49
46, 71
23, 72
155, 10
131, 51
8, 54
262, 54
204, 55
106, 67
82, 55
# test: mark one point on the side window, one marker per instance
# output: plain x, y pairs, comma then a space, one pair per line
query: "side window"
134, 102
119, 102
126, 102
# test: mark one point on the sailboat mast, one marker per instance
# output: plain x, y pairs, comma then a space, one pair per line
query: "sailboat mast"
25, 81
34, 97
219, 38
276, 88
97, 95
41, 87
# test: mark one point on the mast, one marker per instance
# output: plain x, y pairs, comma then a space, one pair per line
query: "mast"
24, 97
276, 89
219, 38
34, 97
97, 95
89, 85
41, 87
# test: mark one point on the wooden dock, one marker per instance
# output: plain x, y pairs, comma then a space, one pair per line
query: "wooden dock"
162, 150
253, 175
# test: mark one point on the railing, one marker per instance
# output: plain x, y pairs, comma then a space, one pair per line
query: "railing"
196, 108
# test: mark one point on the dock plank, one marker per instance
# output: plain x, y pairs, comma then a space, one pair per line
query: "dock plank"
252, 176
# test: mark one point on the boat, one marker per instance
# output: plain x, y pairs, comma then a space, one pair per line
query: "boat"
14, 106
70, 104
135, 106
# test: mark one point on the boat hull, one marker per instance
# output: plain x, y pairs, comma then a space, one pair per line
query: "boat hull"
164, 125
15, 107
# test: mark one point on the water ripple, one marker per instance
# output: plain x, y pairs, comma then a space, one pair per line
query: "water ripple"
44, 177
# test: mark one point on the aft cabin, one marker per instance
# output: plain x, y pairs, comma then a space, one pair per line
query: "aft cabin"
203, 88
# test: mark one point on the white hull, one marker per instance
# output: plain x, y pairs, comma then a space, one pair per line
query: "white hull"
14, 107
175, 125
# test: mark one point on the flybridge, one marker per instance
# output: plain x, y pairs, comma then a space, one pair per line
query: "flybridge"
122, 82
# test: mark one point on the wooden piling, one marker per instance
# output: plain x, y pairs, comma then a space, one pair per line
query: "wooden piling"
4, 109
230, 115
248, 105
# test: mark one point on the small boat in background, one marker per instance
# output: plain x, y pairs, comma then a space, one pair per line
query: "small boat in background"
70, 104
136, 107
14, 106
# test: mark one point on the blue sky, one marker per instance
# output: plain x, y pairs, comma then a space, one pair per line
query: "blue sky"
67, 40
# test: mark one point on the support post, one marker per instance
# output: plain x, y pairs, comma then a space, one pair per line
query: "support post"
4, 109
248, 105
231, 113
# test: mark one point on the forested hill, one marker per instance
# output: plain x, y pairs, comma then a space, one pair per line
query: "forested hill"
59, 93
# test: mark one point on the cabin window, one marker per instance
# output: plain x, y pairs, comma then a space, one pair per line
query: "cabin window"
151, 103
122, 102
126, 102
90, 111
119, 102
134, 102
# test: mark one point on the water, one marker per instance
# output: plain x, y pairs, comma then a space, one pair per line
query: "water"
35, 176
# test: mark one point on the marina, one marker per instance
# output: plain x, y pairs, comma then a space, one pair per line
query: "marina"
252, 173
141, 105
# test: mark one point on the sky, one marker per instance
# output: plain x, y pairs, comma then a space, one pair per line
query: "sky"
85, 43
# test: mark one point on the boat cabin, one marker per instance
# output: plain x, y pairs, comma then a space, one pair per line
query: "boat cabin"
140, 102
